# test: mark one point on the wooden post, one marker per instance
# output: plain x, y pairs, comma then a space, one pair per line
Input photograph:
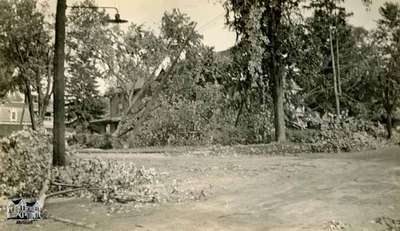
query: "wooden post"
338, 66
59, 85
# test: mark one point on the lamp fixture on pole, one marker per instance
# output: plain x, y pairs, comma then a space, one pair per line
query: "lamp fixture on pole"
117, 17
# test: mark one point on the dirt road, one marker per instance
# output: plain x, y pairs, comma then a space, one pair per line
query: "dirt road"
248, 192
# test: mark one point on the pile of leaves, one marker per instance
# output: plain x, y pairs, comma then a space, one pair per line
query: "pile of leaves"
338, 140
390, 223
106, 180
261, 149
341, 135
24, 160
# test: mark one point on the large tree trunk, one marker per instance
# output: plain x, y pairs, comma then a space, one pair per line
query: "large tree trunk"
279, 112
276, 70
335, 88
388, 107
59, 85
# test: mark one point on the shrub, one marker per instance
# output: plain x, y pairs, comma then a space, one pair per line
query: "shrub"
24, 160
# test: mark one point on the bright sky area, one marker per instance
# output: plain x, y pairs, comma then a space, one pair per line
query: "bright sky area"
209, 15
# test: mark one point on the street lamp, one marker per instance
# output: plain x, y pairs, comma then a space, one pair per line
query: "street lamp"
117, 17
59, 81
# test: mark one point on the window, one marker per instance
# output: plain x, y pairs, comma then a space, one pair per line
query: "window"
35, 98
47, 116
120, 107
13, 115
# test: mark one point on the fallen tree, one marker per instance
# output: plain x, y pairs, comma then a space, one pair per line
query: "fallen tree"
151, 60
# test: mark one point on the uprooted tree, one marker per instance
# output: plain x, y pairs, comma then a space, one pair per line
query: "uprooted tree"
146, 63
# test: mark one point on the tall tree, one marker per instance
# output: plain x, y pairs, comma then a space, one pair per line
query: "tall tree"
267, 26
87, 46
387, 38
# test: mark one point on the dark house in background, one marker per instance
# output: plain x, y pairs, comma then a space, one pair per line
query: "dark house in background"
115, 108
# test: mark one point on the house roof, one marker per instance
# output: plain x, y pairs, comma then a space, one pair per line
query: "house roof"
113, 91
13, 97
106, 120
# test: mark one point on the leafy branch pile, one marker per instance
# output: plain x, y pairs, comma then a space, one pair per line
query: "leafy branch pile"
106, 180
25, 158
337, 140
348, 134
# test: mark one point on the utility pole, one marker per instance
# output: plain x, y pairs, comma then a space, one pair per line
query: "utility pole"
339, 82
59, 85
338, 67
335, 88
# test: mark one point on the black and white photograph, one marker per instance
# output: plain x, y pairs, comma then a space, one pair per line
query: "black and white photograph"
200, 115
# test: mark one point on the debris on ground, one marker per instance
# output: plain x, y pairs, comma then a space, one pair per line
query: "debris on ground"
334, 225
390, 223
24, 162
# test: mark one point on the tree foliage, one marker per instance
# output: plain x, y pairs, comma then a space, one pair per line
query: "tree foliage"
88, 44
26, 52
267, 27
153, 59
387, 40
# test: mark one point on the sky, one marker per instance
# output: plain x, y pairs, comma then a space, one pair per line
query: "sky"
209, 15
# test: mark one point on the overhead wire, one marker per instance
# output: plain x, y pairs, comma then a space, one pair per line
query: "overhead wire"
210, 21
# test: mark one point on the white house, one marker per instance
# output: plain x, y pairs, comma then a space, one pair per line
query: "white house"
14, 113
